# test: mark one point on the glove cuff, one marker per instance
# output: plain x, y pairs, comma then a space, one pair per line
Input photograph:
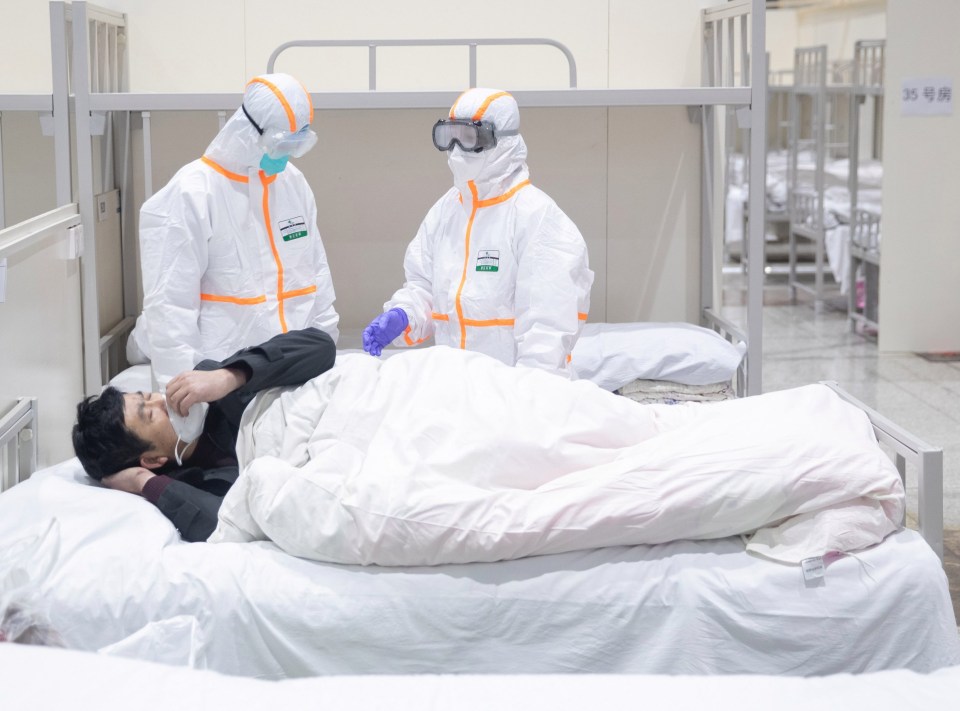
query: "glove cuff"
402, 315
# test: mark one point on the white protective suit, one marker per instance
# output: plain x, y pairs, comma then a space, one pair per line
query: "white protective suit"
229, 255
496, 266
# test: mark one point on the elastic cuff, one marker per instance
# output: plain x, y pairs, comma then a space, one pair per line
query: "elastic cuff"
154, 488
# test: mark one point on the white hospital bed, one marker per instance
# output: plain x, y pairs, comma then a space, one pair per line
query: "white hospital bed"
113, 575
90, 681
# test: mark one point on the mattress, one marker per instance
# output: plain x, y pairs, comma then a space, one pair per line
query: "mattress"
111, 574
92, 681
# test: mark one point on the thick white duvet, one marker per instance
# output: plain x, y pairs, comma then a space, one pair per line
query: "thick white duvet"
441, 456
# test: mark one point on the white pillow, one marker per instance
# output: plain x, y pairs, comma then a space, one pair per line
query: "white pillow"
614, 354
134, 379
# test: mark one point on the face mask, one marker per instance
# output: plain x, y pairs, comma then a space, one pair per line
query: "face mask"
466, 165
272, 166
188, 428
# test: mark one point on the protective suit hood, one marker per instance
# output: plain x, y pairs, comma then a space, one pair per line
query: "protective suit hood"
496, 170
277, 102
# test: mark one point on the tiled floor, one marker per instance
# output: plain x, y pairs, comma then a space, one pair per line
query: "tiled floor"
801, 346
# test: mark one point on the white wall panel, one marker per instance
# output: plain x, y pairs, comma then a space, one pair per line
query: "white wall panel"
653, 207
28, 168
839, 28
920, 256
40, 340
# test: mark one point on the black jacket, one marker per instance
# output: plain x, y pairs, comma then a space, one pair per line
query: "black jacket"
190, 496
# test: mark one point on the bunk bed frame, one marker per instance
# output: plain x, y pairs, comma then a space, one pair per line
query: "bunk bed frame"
866, 91
18, 442
96, 69
835, 93
805, 203
779, 86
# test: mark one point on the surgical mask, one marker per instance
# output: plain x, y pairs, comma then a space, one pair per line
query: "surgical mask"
472, 136
188, 428
466, 165
272, 166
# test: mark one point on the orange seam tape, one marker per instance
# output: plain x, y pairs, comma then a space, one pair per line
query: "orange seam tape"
224, 172
239, 300
283, 100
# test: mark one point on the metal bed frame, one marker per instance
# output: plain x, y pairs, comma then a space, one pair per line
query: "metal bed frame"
867, 86
18, 442
834, 92
805, 205
926, 459
779, 86
732, 33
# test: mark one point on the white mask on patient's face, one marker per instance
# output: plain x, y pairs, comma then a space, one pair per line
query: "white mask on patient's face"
187, 428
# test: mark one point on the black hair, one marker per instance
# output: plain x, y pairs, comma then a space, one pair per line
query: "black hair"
101, 439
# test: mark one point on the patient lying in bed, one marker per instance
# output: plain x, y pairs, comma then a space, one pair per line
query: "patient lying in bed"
443, 456
127, 441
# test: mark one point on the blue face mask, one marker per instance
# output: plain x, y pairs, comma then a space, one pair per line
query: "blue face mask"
272, 166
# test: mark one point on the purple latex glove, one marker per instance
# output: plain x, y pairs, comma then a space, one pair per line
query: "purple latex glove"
383, 329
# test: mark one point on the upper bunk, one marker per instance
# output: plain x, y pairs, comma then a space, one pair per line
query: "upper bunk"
114, 134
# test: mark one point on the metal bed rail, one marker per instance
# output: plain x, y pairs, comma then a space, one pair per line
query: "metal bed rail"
27, 233
805, 203
868, 67
734, 52
868, 64
18, 442
865, 231
928, 461
89, 56
733, 335
863, 304
113, 348
372, 45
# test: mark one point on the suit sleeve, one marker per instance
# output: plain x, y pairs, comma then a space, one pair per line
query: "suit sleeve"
552, 293
415, 297
287, 359
174, 236
191, 510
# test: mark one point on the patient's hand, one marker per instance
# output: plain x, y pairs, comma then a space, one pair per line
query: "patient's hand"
195, 386
130, 480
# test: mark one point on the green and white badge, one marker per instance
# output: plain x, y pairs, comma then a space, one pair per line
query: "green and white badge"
294, 228
488, 260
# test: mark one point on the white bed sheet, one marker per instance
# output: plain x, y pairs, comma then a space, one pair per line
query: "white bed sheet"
112, 573
90, 681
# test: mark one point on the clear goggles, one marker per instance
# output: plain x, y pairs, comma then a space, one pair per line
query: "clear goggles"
278, 144
283, 143
474, 136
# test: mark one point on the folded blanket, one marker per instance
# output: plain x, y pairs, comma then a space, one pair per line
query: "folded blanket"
651, 392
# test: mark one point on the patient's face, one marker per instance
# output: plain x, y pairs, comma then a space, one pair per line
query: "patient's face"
145, 414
